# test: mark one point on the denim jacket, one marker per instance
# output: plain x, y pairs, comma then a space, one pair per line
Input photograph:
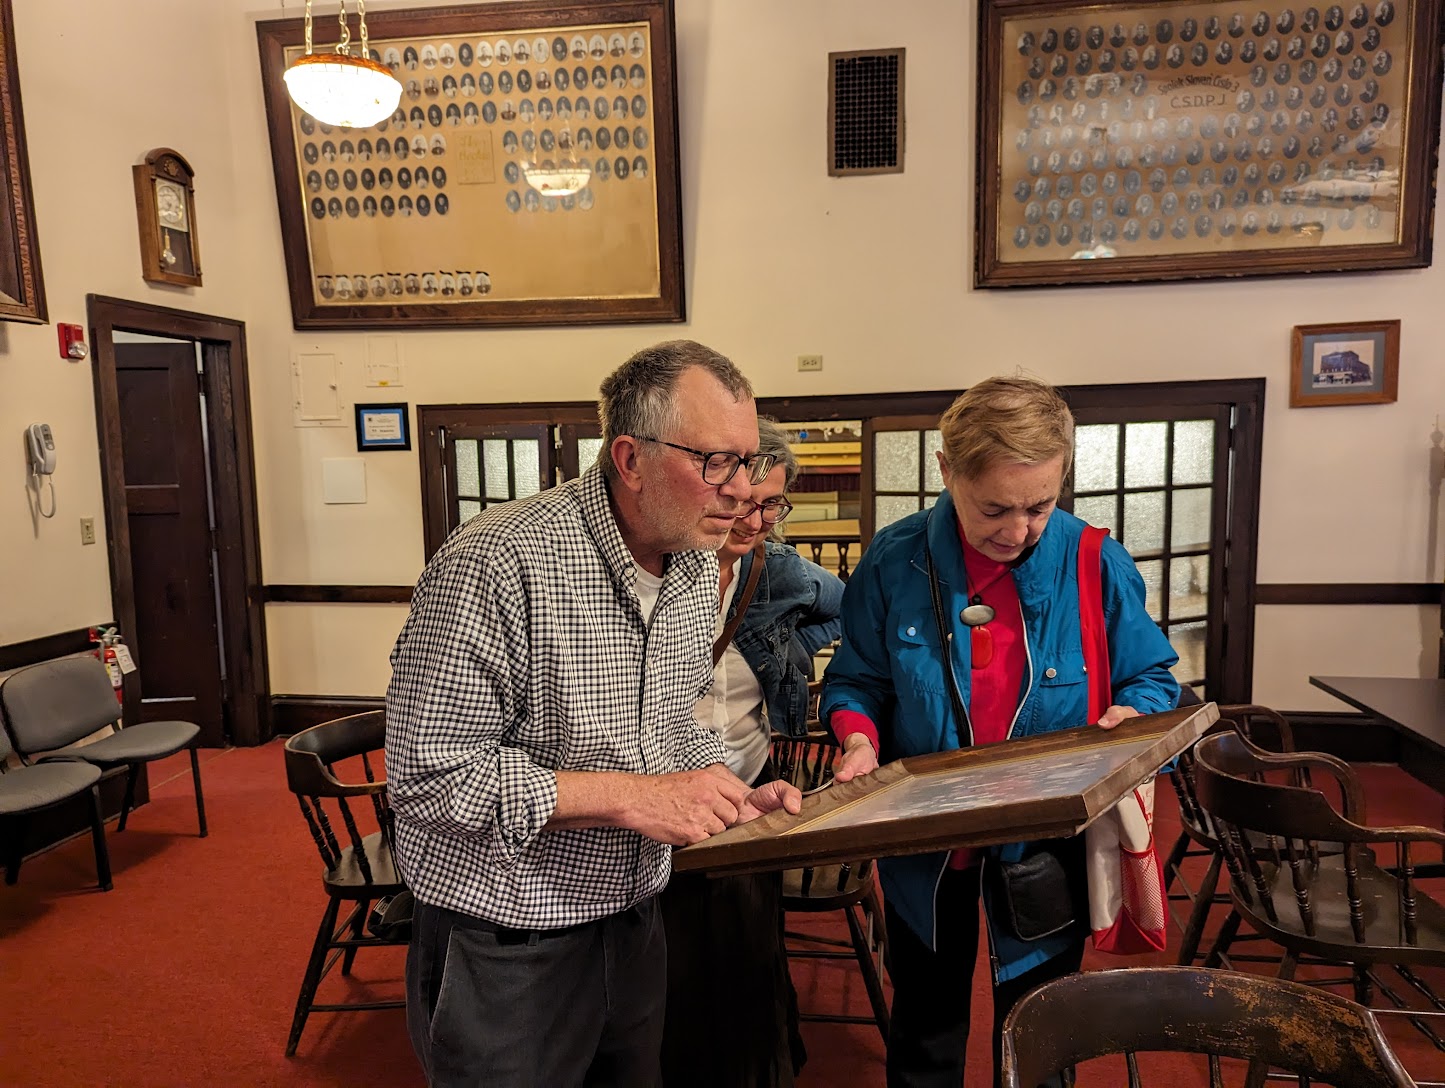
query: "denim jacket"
890, 668
793, 614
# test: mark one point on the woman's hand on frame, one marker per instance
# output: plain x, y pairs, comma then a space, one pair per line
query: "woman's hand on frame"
858, 758
1116, 714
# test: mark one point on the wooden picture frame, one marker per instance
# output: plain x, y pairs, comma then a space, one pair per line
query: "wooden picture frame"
383, 426
22, 287
1022, 790
366, 246
1347, 362
165, 208
1183, 140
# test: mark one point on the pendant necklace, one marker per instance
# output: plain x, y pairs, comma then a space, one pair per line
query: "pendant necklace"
975, 616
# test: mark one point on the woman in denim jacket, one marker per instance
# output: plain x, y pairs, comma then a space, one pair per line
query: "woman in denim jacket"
1006, 563
731, 1011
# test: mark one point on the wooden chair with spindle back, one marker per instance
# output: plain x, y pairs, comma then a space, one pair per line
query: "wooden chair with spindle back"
1316, 1036
1348, 907
850, 887
359, 867
1197, 838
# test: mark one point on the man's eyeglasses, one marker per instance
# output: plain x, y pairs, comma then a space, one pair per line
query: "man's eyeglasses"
721, 466
773, 510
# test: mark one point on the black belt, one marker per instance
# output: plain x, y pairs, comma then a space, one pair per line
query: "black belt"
513, 935
509, 935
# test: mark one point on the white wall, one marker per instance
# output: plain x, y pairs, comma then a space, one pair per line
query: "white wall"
874, 273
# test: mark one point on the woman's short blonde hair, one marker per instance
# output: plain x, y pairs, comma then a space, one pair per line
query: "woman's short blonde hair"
1014, 421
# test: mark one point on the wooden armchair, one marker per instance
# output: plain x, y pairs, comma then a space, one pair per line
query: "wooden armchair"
1314, 1036
358, 867
1339, 908
1197, 836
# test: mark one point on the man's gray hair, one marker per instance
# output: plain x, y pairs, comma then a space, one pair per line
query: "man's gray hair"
638, 397
774, 440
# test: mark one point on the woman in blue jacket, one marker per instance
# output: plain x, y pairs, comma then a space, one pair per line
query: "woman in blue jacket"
990, 572
731, 1012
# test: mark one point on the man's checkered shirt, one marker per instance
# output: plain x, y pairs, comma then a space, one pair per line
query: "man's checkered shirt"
526, 653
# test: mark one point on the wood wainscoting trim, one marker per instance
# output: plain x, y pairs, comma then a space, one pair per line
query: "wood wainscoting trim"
1348, 593
312, 594
32, 651
1275, 593
1344, 734
293, 713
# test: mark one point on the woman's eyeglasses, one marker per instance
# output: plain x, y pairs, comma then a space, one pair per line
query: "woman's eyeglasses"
721, 466
773, 510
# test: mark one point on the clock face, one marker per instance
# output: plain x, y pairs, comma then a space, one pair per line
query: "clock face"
171, 205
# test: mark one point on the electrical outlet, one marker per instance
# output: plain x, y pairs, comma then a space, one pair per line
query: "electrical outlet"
810, 362
87, 530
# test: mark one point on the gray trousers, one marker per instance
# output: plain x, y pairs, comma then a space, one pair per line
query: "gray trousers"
510, 1008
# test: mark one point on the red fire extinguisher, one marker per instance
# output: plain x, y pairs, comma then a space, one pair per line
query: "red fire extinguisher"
105, 639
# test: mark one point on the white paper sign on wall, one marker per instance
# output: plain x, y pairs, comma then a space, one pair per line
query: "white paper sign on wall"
343, 480
316, 390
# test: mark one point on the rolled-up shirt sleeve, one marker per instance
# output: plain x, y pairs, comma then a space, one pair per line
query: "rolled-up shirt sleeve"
701, 748
455, 695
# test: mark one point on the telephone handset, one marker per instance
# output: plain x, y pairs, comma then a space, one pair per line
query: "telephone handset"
41, 445
40, 449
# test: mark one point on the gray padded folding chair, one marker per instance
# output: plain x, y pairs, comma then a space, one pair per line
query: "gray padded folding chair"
24, 790
52, 706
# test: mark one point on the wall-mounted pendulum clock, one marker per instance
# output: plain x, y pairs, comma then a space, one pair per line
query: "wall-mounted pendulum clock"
165, 203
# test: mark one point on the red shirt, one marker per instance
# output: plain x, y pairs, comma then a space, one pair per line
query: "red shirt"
995, 687
993, 696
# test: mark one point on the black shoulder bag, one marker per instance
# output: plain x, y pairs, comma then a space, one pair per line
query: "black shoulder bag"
1035, 894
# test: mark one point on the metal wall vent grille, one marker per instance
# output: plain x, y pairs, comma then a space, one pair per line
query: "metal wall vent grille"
865, 112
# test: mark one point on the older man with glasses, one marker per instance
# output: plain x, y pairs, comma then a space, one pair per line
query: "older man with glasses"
541, 748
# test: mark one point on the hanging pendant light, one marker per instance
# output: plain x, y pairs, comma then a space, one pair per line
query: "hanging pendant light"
341, 89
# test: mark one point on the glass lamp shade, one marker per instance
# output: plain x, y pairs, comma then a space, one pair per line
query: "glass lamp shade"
342, 90
561, 180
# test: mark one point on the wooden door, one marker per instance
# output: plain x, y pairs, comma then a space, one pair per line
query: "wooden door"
165, 469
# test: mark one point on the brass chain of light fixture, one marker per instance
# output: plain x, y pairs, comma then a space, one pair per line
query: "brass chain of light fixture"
343, 46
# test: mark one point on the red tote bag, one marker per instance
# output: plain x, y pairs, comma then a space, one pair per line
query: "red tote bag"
1126, 881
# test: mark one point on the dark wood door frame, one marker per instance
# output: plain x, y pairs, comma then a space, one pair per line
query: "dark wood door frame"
233, 476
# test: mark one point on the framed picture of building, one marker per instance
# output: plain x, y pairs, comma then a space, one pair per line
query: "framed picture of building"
1034, 788
1351, 362
528, 176
1128, 142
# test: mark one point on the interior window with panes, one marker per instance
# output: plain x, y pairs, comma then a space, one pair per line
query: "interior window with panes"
1151, 484
1170, 469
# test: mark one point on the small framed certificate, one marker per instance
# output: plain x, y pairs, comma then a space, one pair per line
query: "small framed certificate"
382, 427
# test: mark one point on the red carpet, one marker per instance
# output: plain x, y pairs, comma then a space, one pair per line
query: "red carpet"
186, 974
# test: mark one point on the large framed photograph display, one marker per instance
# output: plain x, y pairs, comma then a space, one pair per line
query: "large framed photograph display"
1018, 791
1167, 141
22, 288
429, 219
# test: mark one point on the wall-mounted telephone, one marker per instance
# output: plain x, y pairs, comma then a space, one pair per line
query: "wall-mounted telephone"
41, 444
40, 448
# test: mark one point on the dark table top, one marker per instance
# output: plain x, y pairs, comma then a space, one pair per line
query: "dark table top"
1409, 703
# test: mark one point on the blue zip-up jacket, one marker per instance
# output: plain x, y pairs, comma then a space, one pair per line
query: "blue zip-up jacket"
890, 668
793, 615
